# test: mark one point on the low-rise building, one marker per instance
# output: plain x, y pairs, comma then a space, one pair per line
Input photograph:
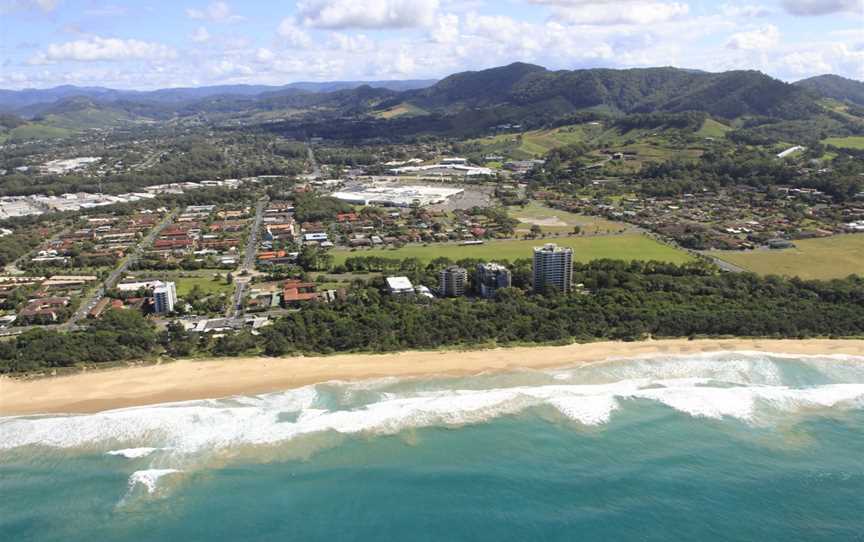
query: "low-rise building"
399, 286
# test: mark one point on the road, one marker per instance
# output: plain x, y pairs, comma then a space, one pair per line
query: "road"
316, 169
241, 278
89, 302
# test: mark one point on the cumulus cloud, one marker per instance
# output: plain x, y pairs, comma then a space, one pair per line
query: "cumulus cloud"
230, 69
823, 7
745, 10
598, 12
201, 35
45, 6
762, 38
343, 14
96, 48
293, 36
217, 12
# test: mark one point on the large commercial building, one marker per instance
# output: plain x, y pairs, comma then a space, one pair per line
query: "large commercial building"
164, 297
452, 281
491, 277
553, 268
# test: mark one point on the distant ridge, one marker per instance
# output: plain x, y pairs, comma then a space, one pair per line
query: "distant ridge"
836, 87
16, 100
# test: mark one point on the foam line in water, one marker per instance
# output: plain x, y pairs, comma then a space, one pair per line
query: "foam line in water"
149, 478
731, 385
133, 453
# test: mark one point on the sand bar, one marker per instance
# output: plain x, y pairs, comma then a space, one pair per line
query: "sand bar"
98, 390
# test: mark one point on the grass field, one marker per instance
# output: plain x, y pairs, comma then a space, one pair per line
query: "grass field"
712, 128
556, 221
203, 278
37, 131
401, 110
618, 247
828, 258
537, 143
851, 142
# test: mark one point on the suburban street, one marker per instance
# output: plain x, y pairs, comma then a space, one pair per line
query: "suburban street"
88, 303
241, 278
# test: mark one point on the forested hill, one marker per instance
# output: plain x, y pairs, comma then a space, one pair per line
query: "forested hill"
729, 95
836, 87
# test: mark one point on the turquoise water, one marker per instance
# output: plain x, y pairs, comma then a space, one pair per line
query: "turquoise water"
733, 446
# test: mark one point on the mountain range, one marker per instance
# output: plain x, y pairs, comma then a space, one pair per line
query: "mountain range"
472, 100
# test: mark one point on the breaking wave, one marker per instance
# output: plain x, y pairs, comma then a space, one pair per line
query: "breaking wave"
750, 387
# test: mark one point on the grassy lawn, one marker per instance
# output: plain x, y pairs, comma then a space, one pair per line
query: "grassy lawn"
851, 142
585, 249
556, 221
828, 258
207, 285
187, 280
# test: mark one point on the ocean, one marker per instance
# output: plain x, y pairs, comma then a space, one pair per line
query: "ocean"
732, 446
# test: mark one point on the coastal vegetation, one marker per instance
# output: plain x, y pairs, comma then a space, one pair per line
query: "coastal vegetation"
618, 301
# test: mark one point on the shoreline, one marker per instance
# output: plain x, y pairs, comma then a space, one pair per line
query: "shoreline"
187, 380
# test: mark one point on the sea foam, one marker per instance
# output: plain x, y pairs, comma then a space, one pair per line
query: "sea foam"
731, 385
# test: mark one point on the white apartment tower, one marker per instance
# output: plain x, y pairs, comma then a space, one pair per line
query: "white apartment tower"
553, 268
165, 297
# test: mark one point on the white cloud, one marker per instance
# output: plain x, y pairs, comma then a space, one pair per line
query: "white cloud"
45, 6
103, 49
230, 69
264, 55
217, 12
446, 29
762, 38
745, 10
358, 43
616, 13
201, 35
294, 36
341, 14
823, 7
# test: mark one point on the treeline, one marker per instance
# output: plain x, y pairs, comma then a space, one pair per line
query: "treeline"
619, 301
751, 167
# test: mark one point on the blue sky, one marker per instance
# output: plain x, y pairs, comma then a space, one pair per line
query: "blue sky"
160, 43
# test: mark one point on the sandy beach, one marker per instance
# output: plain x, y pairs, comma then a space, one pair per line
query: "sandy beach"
185, 380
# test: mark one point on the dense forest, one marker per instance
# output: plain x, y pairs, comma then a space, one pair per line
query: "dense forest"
619, 301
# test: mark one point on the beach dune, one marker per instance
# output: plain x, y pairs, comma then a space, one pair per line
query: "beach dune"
185, 380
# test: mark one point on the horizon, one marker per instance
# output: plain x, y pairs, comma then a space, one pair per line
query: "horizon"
368, 81
96, 43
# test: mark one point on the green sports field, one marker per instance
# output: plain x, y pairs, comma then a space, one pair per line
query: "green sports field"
828, 258
618, 247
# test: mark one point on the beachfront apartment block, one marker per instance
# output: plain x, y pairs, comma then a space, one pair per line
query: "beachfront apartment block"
553, 268
491, 277
164, 297
453, 281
